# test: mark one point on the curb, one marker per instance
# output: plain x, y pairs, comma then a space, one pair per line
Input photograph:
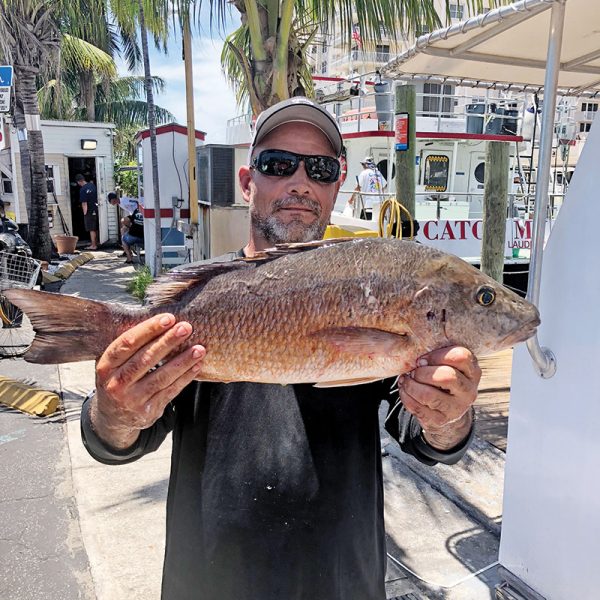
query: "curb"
66, 270
26, 398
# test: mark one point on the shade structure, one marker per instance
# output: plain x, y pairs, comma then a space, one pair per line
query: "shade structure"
506, 48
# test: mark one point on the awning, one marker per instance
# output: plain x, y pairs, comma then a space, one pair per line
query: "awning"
506, 48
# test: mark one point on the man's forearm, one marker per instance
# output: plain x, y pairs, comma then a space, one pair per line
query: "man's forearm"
116, 437
451, 435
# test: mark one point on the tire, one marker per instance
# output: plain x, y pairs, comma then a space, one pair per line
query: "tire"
16, 334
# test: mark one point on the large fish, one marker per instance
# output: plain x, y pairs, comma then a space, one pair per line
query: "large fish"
333, 312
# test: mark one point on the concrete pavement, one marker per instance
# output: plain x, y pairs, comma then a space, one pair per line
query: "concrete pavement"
443, 522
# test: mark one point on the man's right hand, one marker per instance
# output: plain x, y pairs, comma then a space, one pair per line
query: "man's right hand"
129, 395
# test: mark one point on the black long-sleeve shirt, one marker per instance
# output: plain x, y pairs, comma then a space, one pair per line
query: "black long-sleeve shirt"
275, 491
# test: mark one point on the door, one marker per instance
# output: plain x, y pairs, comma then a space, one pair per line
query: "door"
102, 202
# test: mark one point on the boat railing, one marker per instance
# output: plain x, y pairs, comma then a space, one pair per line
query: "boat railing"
487, 113
436, 205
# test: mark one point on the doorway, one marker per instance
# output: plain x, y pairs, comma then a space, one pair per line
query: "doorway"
85, 166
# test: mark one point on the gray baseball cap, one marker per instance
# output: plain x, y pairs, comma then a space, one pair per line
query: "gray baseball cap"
297, 109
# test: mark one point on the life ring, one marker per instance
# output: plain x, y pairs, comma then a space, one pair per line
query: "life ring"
344, 169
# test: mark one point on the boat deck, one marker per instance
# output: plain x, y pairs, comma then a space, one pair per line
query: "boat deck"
492, 404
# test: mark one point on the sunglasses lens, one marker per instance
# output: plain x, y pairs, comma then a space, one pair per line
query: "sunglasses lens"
276, 163
323, 168
279, 163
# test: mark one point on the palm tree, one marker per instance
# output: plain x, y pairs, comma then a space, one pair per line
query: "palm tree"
149, 16
29, 40
265, 59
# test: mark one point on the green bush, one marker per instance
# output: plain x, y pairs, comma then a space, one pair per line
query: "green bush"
141, 280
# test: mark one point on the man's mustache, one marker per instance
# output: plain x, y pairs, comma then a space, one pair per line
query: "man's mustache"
303, 201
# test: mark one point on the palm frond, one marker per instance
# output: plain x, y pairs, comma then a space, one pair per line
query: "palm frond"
126, 113
77, 54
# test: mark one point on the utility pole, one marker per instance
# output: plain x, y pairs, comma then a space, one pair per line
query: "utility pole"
406, 139
495, 196
191, 137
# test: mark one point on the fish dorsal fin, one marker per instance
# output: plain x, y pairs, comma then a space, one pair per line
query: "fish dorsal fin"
279, 250
171, 286
364, 340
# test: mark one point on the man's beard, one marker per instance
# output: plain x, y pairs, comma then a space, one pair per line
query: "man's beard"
277, 232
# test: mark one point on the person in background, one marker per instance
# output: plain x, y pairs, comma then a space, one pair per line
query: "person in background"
276, 492
132, 233
369, 181
88, 197
129, 205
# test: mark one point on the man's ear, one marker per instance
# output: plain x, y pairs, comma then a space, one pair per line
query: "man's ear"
245, 180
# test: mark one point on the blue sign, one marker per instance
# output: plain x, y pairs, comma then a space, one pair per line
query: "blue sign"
6, 76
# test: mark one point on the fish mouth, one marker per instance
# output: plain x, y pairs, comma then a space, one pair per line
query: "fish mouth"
521, 334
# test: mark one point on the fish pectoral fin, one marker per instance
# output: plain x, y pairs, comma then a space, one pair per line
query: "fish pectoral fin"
364, 340
345, 382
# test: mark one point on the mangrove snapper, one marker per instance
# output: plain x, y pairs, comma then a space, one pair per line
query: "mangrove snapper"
333, 312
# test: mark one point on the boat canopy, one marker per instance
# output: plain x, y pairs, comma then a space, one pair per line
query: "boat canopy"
506, 48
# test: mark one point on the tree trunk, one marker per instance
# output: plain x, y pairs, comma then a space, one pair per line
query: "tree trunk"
25, 162
88, 94
39, 232
153, 151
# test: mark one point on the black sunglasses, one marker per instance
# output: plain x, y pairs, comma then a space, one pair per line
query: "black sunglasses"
282, 163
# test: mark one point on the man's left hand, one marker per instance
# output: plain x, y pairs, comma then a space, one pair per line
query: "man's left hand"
440, 393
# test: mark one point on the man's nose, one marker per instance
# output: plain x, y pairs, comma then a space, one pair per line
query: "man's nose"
299, 182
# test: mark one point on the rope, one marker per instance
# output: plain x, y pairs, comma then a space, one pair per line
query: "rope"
395, 209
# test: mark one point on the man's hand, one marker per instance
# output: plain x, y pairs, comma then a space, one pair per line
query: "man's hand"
129, 396
440, 393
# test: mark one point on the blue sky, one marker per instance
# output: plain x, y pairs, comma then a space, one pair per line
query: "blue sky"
214, 100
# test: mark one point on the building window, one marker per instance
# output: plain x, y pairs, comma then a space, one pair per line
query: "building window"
589, 107
7, 187
437, 97
422, 30
456, 11
437, 167
584, 127
313, 49
382, 53
52, 179
324, 67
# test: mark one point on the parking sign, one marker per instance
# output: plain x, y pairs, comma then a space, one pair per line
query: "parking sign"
6, 75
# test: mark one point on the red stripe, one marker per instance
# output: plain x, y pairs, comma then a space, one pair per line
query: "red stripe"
184, 213
438, 136
200, 135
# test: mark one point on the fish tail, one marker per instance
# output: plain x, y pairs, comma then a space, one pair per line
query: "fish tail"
69, 329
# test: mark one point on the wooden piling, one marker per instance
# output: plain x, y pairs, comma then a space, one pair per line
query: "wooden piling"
405, 159
495, 199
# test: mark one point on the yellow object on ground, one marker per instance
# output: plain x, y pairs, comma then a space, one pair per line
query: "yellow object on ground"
335, 231
26, 398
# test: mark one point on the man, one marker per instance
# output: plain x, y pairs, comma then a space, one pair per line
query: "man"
127, 204
88, 197
275, 491
370, 181
133, 234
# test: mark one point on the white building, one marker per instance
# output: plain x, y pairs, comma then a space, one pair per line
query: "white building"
70, 148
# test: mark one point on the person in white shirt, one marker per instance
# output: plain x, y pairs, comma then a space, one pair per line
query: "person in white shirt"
369, 181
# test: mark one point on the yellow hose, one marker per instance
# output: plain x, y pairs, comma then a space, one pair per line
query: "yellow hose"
394, 208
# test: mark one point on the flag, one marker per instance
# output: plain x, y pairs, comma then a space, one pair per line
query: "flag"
356, 35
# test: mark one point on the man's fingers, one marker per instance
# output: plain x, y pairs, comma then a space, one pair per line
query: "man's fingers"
155, 406
445, 378
164, 377
152, 353
129, 342
453, 356
426, 416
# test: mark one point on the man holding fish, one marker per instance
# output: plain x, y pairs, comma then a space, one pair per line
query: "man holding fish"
276, 490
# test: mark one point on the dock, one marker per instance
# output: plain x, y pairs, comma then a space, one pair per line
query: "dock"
494, 392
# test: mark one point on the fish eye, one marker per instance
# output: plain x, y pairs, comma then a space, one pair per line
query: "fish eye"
485, 296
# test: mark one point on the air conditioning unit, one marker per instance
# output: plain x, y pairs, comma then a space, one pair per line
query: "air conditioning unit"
216, 177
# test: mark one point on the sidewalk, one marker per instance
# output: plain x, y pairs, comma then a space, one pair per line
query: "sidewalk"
442, 522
